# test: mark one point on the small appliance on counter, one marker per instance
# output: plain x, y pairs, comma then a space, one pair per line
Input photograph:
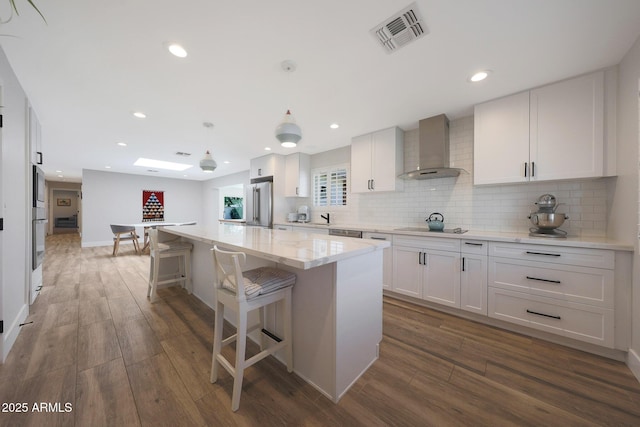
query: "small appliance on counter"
303, 214
292, 217
546, 219
435, 222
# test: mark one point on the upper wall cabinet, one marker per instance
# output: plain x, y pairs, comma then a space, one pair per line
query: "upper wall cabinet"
297, 175
264, 166
376, 161
551, 133
35, 138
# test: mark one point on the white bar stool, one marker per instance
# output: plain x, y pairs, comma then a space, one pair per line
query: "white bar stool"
159, 251
243, 293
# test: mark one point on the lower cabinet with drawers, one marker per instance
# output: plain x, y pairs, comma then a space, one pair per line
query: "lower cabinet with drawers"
563, 290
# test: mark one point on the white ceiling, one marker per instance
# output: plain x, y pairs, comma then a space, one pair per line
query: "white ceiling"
94, 63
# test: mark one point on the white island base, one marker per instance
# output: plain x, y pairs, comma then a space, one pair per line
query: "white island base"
337, 306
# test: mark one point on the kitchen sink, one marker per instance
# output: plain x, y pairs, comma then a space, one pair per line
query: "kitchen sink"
426, 230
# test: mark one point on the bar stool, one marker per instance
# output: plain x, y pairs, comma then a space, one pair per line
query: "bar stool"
244, 292
171, 249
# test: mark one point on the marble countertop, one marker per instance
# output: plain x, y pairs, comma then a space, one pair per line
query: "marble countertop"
296, 249
494, 236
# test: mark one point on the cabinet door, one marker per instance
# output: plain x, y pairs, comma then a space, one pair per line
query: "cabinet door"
262, 166
501, 140
35, 141
441, 280
297, 175
407, 271
567, 133
383, 157
387, 260
361, 164
473, 283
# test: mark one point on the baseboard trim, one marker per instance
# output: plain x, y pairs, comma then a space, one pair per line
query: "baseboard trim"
633, 362
11, 334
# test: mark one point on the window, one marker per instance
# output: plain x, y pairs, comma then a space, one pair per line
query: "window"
330, 186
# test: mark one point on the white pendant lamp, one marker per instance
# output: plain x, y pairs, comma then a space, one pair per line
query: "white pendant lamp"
207, 164
288, 132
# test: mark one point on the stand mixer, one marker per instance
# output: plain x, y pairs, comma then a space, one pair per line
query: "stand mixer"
546, 220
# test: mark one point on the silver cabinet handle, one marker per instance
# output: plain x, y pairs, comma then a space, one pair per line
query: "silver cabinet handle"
473, 244
543, 315
543, 280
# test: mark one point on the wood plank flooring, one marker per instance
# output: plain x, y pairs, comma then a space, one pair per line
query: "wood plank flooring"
97, 343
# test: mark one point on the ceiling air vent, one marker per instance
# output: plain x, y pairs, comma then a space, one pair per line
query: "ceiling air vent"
182, 153
400, 29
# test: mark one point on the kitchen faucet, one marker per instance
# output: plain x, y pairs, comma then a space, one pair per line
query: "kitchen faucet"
325, 217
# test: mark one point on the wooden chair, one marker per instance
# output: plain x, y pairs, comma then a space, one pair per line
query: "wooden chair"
243, 293
124, 232
171, 249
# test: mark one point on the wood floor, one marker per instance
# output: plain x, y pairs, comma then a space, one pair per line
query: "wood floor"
98, 345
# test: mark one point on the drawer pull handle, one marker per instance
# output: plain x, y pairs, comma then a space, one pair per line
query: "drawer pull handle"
543, 315
541, 253
377, 238
473, 244
543, 280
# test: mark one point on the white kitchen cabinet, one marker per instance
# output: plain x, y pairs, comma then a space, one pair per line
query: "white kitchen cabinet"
550, 133
314, 230
376, 161
263, 166
473, 277
35, 138
427, 268
563, 290
297, 175
387, 260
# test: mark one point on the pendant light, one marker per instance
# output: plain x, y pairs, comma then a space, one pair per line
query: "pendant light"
288, 132
207, 164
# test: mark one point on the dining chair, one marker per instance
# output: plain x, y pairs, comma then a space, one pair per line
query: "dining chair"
124, 232
244, 292
163, 250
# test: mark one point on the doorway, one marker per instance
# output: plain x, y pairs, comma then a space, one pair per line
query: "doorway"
65, 211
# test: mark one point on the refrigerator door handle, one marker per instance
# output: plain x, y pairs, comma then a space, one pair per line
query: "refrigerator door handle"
256, 204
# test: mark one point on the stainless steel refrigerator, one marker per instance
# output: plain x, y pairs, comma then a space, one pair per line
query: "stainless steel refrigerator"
259, 204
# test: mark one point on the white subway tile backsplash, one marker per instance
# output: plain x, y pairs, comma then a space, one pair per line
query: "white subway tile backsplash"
490, 208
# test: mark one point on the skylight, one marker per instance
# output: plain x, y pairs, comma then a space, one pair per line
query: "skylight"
159, 164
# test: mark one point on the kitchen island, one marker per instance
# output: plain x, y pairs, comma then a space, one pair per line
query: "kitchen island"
337, 298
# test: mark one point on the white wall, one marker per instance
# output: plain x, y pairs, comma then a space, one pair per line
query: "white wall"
15, 204
212, 205
110, 197
623, 223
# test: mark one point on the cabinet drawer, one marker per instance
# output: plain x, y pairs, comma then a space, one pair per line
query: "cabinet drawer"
578, 321
594, 286
436, 243
597, 258
477, 247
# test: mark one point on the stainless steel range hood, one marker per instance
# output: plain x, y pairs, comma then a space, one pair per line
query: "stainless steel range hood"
432, 158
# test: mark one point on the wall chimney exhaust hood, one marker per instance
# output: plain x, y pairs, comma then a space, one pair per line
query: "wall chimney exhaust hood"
432, 159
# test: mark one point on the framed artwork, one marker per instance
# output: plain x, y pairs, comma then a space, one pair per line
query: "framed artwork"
64, 202
152, 205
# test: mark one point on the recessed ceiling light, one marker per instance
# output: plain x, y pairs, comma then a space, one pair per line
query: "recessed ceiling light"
226, 162
160, 164
267, 148
139, 114
479, 76
60, 176
58, 171
107, 167
334, 126
177, 50
122, 144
